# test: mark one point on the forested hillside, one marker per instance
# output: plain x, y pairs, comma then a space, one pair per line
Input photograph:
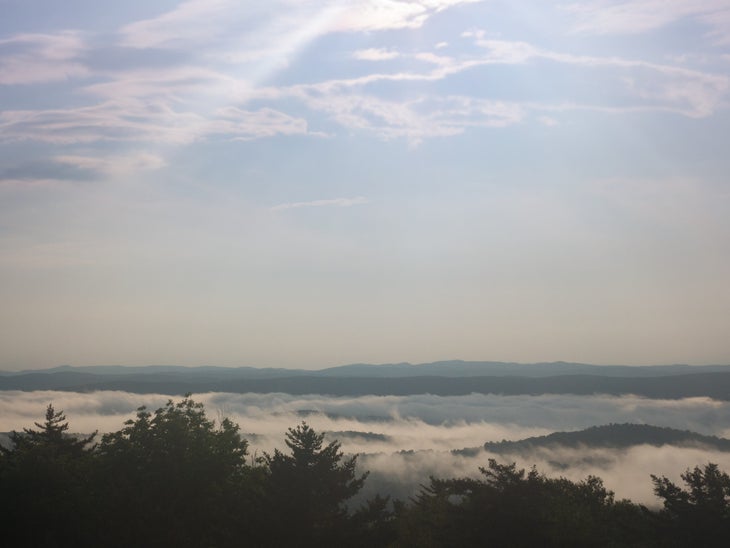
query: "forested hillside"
441, 378
173, 477
613, 436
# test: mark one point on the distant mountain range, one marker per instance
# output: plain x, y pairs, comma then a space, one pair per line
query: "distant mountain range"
451, 368
439, 378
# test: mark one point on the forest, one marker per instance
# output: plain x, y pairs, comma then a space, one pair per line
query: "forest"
175, 477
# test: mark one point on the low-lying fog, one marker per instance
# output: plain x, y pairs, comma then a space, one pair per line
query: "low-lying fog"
429, 425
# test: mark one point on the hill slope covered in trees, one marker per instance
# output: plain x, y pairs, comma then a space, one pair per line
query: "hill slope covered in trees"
173, 477
615, 436
441, 378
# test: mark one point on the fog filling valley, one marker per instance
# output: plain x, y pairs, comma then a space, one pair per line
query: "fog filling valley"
404, 439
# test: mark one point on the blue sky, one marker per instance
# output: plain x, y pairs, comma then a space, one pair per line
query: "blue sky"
303, 184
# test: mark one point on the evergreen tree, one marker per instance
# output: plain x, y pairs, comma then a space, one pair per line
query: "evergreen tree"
308, 488
511, 507
52, 436
44, 477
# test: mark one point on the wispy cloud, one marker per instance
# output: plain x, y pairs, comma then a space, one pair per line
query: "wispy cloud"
41, 58
375, 54
190, 22
689, 92
174, 83
114, 165
185, 103
653, 86
173, 105
719, 23
637, 16
335, 202
202, 21
434, 59
246, 125
136, 120
371, 15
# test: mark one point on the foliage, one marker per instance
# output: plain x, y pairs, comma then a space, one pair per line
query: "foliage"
181, 471
513, 507
699, 514
44, 481
609, 435
52, 437
173, 477
374, 523
308, 488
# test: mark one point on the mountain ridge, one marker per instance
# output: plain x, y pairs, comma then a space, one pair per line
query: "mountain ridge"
715, 385
615, 435
448, 368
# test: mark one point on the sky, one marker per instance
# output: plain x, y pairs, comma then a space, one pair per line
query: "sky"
312, 183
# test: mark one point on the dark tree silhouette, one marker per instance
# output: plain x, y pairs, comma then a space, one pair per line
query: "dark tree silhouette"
176, 475
44, 478
173, 477
517, 508
374, 523
308, 489
700, 514
52, 436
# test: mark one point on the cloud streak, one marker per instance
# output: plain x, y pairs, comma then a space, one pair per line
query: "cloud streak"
200, 99
114, 165
200, 21
41, 58
148, 121
638, 16
420, 115
375, 54
334, 202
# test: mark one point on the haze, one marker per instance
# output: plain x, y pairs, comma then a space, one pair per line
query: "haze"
431, 426
304, 184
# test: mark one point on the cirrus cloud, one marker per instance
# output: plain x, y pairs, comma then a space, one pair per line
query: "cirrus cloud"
335, 202
41, 58
637, 16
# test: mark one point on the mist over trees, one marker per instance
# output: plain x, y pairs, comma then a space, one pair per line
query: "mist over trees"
174, 477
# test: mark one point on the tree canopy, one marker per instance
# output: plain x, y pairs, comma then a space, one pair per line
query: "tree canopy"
700, 512
44, 479
174, 477
308, 487
178, 466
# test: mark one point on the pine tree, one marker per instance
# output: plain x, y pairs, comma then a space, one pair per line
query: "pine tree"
52, 436
308, 489
45, 485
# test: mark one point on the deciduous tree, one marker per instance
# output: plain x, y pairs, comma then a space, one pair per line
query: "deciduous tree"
175, 477
698, 514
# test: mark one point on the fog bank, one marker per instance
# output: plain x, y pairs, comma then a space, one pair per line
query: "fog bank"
380, 428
